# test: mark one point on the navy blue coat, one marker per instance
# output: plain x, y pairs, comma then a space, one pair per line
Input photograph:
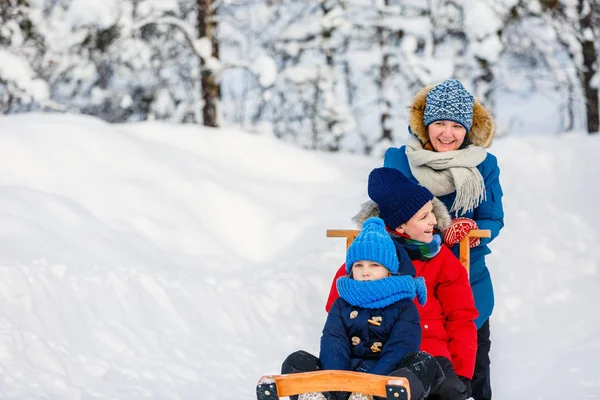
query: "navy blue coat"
488, 215
348, 337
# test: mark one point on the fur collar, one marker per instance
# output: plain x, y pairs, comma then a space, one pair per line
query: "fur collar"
370, 209
481, 132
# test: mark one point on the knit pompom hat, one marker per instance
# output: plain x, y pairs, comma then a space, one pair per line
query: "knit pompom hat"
397, 197
449, 101
373, 243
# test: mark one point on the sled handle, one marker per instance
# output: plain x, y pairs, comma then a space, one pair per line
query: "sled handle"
349, 234
272, 387
464, 250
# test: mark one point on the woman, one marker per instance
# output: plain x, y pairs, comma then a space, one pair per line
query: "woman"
446, 154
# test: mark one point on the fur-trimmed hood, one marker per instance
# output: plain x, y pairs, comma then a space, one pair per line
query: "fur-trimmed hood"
370, 209
481, 133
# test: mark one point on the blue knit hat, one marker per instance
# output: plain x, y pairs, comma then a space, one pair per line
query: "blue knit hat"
397, 197
373, 243
449, 101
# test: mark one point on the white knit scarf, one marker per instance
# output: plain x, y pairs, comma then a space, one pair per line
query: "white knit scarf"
449, 171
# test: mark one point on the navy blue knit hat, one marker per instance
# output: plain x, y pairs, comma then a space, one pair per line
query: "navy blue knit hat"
396, 196
449, 101
373, 243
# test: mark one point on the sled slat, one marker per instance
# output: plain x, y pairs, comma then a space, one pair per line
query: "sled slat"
349, 234
464, 250
332, 381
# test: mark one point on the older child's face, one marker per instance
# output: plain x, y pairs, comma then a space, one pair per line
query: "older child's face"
365, 270
420, 226
446, 135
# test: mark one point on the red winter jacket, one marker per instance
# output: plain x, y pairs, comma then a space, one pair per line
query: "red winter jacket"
447, 317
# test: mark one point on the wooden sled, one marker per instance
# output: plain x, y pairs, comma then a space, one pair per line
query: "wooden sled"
464, 250
272, 387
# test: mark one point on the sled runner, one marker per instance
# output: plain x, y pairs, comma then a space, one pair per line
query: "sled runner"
464, 250
272, 387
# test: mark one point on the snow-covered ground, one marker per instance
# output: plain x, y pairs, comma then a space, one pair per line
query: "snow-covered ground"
154, 261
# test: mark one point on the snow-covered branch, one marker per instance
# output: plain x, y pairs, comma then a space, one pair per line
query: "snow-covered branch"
201, 47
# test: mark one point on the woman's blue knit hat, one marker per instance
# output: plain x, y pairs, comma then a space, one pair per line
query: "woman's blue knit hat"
373, 243
449, 101
397, 197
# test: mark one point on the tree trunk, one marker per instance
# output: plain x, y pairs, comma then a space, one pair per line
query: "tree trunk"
327, 33
484, 84
589, 64
384, 82
211, 90
569, 125
350, 86
386, 132
315, 111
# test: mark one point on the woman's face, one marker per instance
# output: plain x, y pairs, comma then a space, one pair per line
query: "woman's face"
446, 135
420, 226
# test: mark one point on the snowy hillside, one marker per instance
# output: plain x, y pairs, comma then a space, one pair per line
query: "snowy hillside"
155, 261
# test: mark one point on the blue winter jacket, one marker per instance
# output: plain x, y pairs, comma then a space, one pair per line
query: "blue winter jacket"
350, 341
488, 215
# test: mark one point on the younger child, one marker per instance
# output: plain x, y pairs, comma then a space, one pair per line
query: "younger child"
447, 320
374, 325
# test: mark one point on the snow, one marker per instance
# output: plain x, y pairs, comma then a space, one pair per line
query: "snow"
483, 20
416, 26
308, 27
148, 7
203, 47
488, 49
595, 81
266, 69
300, 75
100, 13
164, 105
161, 261
16, 69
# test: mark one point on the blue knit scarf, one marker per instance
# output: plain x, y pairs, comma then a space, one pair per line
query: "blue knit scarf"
420, 250
382, 292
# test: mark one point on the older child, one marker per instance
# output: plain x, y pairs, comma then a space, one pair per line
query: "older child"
374, 325
447, 320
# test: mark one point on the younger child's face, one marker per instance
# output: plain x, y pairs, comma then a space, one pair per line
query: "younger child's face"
420, 226
365, 270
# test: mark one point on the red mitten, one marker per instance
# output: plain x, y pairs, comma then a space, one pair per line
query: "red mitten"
458, 230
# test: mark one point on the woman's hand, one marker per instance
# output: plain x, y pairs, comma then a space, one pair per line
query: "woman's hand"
458, 230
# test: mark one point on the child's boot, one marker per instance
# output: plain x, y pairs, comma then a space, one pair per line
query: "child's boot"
312, 396
423, 373
360, 396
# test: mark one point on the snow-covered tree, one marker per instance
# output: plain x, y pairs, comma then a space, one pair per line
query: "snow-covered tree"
333, 75
21, 88
553, 45
307, 105
207, 32
577, 27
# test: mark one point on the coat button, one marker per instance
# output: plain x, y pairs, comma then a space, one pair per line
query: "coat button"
355, 340
426, 326
353, 314
376, 348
